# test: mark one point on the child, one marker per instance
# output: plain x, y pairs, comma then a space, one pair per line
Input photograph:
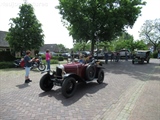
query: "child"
27, 61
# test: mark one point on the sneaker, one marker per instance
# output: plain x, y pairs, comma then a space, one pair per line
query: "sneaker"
26, 81
29, 80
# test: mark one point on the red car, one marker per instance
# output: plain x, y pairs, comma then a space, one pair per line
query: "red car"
69, 75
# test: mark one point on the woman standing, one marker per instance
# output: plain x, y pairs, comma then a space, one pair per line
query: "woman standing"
48, 57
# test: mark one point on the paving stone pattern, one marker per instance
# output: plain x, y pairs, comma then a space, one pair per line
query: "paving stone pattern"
129, 92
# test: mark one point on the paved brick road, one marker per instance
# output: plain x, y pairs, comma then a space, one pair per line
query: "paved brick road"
129, 92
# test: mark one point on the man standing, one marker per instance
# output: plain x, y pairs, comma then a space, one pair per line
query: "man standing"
126, 57
27, 61
106, 56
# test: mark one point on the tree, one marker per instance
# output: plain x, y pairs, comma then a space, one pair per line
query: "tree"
126, 41
130, 45
61, 47
98, 20
150, 32
25, 31
140, 45
81, 46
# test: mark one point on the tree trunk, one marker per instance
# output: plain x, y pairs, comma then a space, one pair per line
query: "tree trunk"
92, 47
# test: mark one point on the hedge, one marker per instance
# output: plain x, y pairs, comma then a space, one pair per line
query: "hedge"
54, 62
59, 58
6, 56
154, 54
6, 65
51, 62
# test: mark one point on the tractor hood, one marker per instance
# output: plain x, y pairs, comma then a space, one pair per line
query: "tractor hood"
73, 67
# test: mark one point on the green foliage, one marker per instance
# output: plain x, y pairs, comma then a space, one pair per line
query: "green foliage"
25, 32
59, 54
6, 65
140, 45
6, 56
54, 57
104, 19
81, 46
155, 54
150, 32
54, 62
158, 45
60, 58
61, 47
151, 55
121, 45
132, 45
43, 57
126, 42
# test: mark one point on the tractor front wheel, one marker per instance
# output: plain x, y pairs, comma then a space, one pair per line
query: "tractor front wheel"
69, 86
45, 83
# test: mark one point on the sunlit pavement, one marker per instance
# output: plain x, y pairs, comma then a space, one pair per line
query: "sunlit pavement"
129, 92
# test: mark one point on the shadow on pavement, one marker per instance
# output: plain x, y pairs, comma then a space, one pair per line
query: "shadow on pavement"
82, 90
21, 86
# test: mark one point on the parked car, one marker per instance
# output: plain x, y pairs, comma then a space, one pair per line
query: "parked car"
140, 56
123, 53
86, 53
99, 54
76, 55
54, 54
41, 53
69, 75
66, 55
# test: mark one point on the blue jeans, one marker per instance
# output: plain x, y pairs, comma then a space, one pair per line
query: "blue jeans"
48, 64
27, 69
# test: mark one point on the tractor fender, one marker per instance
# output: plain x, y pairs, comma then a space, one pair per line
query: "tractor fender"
77, 77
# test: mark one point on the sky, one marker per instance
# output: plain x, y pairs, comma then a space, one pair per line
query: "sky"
49, 17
